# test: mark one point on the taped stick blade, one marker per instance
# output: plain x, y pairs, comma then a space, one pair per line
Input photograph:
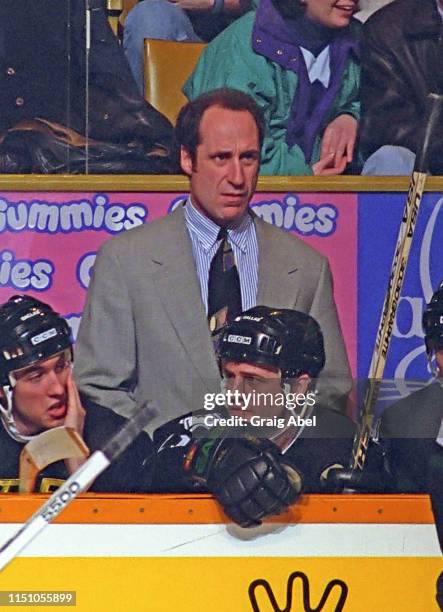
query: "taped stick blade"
55, 444
46, 448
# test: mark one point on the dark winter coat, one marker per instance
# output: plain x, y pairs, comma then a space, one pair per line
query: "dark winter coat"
43, 74
402, 59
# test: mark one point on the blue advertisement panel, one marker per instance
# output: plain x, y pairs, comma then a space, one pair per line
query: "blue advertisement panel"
379, 217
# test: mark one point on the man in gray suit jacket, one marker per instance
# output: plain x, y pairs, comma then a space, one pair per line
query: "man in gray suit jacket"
144, 332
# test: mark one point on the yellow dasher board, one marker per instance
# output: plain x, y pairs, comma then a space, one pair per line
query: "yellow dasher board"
162, 553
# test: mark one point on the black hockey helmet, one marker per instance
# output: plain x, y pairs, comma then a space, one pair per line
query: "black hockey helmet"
286, 339
433, 322
30, 331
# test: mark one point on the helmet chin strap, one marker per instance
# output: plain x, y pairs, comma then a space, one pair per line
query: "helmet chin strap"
7, 416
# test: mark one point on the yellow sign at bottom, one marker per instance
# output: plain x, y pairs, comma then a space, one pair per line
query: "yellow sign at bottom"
232, 584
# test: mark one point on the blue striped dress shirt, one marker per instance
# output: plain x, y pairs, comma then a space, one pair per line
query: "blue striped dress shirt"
243, 240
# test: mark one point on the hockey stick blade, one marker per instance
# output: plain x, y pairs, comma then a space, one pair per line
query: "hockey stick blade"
434, 112
48, 447
76, 484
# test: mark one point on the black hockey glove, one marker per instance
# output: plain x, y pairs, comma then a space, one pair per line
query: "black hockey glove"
374, 478
351, 481
248, 478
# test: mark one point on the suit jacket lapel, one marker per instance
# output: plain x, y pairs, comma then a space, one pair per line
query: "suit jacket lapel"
179, 290
277, 269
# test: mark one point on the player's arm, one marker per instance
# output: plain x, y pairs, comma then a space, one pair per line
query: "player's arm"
375, 477
247, 476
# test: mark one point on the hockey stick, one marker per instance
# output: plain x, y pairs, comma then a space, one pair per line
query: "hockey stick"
76, 484
46, 448
398, 270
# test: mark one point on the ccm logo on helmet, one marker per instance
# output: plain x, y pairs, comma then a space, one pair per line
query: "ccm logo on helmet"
49, 333
239, 339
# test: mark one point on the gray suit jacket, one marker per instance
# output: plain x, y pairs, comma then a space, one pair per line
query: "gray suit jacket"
144, 332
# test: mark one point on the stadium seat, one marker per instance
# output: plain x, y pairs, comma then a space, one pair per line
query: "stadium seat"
167, 66
126, 6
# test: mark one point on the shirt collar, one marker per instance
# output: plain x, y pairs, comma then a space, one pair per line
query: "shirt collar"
206, 231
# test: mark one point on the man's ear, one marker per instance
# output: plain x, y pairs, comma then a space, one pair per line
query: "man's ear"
185, 161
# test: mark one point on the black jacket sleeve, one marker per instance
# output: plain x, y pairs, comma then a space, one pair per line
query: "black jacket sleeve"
131, 472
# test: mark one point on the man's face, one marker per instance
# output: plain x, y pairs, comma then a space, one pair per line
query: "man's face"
264, 387
261, 383
40, 399
224, 175
330, 13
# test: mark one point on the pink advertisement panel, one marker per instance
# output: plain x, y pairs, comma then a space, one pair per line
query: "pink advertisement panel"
48, 241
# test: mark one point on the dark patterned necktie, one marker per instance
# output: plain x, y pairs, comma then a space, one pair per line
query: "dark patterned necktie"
224, 293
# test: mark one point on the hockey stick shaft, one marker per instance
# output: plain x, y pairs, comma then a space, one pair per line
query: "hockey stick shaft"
76, 484
398, 270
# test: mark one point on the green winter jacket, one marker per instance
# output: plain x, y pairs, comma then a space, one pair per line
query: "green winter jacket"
229, 61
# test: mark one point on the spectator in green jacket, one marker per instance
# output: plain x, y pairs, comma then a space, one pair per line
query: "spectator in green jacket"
299, 60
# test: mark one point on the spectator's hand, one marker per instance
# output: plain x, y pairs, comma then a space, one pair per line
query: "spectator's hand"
339, 139
193, 5
327, 166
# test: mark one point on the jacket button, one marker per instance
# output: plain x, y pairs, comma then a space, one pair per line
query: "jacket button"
279, 52
258, 40
19, 101
10, 71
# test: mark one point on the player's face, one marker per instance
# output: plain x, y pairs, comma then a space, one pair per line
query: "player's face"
262, 384
40, 399
330, 13
224, 175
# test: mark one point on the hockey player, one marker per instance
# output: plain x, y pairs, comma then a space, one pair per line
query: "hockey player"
258, 470
412, 429
274, 356
37, 393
